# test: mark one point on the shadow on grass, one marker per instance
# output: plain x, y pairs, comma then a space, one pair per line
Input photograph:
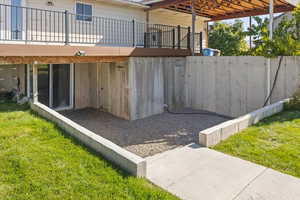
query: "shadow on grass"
9, 106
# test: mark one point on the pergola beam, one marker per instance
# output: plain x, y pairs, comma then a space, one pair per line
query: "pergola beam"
250, 13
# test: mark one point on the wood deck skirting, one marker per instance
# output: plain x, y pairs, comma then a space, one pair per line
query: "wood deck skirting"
47, 54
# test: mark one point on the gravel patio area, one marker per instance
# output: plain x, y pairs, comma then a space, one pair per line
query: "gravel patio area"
148, 136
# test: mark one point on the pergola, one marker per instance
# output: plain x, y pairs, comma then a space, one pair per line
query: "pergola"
222, 9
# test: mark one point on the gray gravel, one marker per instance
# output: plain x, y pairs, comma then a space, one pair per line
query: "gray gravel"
149, 136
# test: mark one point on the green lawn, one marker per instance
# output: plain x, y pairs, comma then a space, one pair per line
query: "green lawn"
37, 161
274, 143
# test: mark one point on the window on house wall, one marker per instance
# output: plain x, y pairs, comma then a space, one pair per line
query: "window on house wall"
84, 12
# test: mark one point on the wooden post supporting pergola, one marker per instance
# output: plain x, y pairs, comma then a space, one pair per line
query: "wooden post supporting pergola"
271, 23
193, 26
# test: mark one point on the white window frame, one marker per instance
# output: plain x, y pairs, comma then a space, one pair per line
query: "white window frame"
86, 3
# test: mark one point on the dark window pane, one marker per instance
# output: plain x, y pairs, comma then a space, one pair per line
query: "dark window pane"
79, 11
61, 85
88, 12
84, 12
43, 84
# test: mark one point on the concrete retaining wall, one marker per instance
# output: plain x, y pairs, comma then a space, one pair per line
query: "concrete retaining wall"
237, 85
154, 82
214, 135
128, 161
232, 86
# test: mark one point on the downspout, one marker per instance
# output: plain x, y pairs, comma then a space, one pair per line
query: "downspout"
271, 16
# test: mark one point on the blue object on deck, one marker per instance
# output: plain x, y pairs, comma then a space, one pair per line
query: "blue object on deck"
211, 52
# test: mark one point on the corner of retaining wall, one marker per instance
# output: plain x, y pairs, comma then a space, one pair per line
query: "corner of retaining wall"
214, 135
126, 160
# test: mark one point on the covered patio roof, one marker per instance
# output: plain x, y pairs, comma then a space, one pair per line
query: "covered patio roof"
222, 9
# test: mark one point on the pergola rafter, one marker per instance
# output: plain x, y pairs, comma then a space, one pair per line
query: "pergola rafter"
223, 9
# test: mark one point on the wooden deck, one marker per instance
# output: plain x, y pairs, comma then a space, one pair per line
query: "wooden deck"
45, 54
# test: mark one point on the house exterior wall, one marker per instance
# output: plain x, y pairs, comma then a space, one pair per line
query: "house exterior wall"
163, 16
100, 8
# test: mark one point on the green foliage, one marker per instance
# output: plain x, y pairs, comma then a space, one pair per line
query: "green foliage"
286, 37
229, 38
294, 103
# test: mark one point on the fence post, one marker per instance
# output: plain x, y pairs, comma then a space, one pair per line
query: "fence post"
66, 27
201, 45
173, 37
133, 33
179, 35
189, 38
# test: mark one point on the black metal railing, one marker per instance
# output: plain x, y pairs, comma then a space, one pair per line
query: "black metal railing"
39, 25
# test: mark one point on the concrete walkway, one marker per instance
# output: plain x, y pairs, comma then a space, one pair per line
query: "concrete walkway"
196, 173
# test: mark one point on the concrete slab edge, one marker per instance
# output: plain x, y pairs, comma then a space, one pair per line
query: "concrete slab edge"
214, 135
126, 160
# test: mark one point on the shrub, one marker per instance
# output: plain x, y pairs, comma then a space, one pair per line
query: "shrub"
294, 103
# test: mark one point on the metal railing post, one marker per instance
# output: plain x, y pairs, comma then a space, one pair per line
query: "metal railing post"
201, 41
179, 36
67, 28
189, 38
133, 33
26, 24
145, 40
173, 37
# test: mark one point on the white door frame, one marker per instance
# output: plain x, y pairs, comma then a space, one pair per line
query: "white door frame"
71, 93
